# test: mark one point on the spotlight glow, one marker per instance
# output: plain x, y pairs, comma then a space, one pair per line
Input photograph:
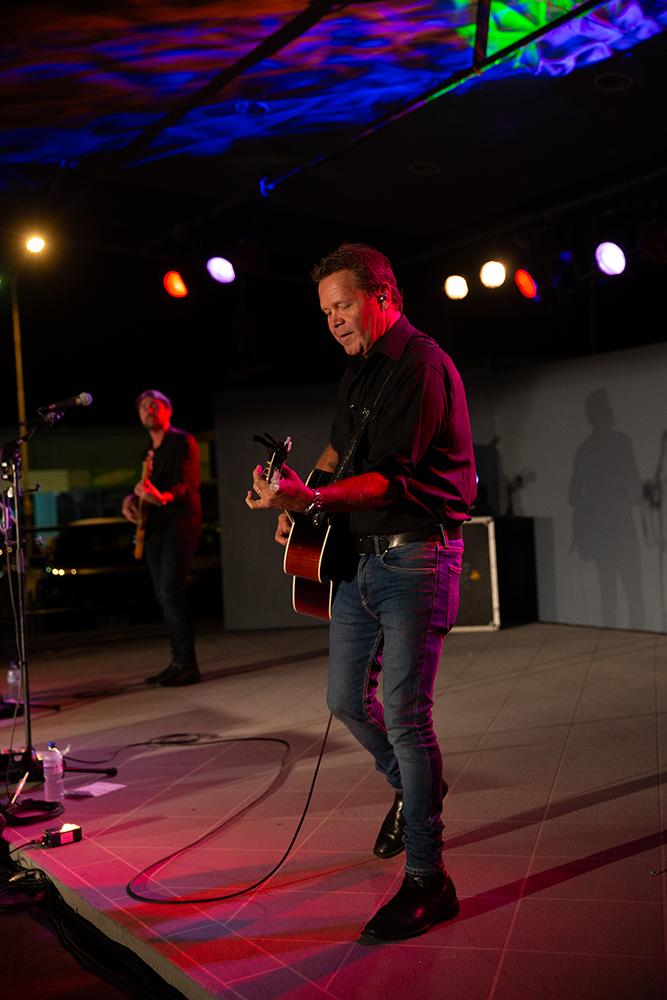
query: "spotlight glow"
35, 244
221, 270
493, 274
456, 287
610, 258
174, 285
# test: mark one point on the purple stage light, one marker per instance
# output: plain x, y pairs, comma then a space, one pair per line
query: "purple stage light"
610, 258
221, 270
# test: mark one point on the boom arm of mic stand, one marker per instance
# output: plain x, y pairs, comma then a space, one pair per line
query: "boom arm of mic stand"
111, 772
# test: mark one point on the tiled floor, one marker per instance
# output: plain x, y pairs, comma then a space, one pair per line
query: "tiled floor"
554, 741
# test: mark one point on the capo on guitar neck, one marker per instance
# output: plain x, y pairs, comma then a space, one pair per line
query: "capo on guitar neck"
278, 452
270, 442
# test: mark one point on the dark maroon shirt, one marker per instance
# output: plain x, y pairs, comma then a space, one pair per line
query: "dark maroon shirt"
419, 437
176, 470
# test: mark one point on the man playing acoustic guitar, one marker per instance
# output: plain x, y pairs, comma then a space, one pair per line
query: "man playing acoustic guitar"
170, 499
407, 491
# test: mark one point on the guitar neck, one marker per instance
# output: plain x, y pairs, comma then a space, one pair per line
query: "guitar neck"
145, 474
142, 509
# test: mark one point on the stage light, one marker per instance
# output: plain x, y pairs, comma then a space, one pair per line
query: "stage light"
174, 285
526, 284
492, 274
610, 258
221, 270
35, 243
456, 287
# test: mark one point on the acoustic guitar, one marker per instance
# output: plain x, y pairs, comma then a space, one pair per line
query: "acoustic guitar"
319, 551
319, 554
142, 508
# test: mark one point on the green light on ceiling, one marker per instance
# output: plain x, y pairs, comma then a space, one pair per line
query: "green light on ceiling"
508, 24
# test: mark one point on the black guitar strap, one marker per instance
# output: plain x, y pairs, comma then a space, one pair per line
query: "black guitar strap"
366, 415
353, 443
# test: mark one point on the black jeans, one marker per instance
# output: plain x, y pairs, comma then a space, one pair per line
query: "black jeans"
169, 553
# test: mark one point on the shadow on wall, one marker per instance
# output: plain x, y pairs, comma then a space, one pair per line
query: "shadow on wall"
604, 488
653, 522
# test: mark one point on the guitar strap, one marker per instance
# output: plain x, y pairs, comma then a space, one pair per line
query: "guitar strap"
353, 443
366, 415
346, 553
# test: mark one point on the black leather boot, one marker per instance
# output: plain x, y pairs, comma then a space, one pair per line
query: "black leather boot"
389, 841
156, 678
175, 676
420, 903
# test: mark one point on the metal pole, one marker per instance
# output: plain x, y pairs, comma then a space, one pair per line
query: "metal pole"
20, 400
20, 563
18, 362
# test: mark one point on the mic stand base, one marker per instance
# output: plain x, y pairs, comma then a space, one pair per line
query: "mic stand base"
15, 763
9, 709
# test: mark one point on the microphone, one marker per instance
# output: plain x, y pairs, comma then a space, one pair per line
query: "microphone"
83, 399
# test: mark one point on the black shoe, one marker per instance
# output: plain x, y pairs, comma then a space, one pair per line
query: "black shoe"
156, 678
420, 903
177, 676
389, 841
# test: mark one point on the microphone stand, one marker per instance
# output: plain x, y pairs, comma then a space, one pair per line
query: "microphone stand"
18, 763
15, 764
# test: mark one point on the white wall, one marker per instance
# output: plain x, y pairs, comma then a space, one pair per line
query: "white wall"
600, 543
613, 575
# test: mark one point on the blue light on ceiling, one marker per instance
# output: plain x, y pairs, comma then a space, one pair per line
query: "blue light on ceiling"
346, 72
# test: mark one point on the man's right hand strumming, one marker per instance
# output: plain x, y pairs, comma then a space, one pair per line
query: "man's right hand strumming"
130, 508
282, 529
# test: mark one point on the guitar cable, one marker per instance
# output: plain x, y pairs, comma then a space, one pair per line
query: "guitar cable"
194, 739
162, 862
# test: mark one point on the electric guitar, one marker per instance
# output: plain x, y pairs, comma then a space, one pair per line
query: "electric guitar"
142, 508
317, 555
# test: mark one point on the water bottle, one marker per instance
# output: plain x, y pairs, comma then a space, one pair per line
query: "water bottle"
13, 682
54, 784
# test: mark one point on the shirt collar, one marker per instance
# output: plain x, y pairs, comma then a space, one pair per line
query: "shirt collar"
392, 343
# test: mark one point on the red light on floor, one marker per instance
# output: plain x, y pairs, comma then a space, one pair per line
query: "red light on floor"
525, 283
174, 285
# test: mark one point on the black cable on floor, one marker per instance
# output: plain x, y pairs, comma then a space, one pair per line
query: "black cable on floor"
208, 739
179, 900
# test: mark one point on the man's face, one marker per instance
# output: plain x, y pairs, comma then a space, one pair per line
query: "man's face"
153, 413
355, 318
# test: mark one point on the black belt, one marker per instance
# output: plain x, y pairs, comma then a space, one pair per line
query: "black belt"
380, 543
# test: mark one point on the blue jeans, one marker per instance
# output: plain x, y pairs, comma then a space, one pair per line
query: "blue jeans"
393, 618
169, 554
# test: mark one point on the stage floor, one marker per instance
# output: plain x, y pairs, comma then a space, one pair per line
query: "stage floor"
554, 741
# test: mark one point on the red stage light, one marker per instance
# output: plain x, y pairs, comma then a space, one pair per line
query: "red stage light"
526, 283
174, 285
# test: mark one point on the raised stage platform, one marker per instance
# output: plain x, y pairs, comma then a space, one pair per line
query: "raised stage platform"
554, 740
